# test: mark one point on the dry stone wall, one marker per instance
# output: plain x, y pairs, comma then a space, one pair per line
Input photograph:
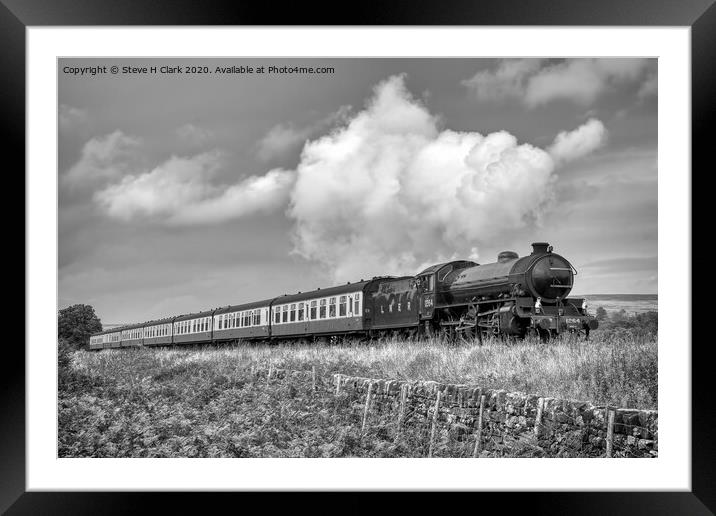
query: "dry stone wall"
557, 425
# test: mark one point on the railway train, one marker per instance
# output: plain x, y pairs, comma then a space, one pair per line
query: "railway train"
512, 297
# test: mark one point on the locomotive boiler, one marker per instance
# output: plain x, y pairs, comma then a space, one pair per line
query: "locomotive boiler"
515, 296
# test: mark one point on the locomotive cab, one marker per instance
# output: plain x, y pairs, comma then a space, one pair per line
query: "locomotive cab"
430, 284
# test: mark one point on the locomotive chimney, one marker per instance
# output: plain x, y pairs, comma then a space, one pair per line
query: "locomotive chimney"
506, 256
540, 247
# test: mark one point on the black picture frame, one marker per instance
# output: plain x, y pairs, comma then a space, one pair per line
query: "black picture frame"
700, 15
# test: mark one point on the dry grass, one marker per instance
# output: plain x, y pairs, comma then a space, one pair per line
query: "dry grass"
615, 371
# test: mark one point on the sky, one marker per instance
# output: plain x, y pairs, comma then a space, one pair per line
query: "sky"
180, 192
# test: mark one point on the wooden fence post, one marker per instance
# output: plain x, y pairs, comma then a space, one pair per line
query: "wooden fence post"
367, 406
435, 424
313, 377
478, 439
401, 411
538, 418
610, 431
268, 376
337, 377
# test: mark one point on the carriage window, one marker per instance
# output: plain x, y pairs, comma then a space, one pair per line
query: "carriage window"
284, 317
356, 309
300, 311
322, 310
342, 306
293, 313
332, 307
313, 310
257, 316
221, 322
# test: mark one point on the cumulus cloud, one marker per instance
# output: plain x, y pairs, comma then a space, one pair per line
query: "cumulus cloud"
180, 191
103, 159
282, 139
571, 145
580, 81
255, 194
390, 191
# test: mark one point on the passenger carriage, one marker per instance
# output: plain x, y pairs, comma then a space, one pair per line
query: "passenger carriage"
242, 322
158, 333
132, 335
193, 328
331, 311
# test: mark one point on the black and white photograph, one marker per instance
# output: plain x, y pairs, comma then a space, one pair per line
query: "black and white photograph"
357, 257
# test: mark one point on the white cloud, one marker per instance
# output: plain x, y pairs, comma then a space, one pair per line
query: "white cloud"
580, 81
390, 191
103, 158
180, 191
571, 145
282, 139
255, 194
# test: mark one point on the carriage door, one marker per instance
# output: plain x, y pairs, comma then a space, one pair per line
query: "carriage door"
427, 295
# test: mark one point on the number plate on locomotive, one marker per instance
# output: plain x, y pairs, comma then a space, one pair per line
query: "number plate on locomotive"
573, 320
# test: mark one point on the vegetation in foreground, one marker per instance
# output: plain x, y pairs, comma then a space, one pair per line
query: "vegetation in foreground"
200, 402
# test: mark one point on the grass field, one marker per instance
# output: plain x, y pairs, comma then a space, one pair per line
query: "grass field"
193, 402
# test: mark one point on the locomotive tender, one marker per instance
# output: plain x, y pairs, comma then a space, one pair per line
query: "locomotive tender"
515, 296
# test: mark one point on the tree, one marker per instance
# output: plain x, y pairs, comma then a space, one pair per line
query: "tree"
76, 323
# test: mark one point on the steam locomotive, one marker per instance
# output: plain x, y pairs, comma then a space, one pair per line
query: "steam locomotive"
463, 300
